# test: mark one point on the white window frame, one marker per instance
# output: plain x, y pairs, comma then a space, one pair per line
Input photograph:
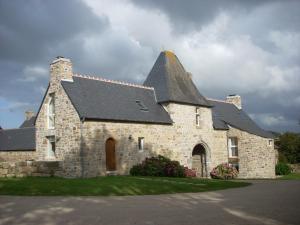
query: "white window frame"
141, 142
50, 151
198, 119
51, 114
230, 146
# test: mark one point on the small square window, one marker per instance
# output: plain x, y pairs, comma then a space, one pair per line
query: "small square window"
141, 143
270, 142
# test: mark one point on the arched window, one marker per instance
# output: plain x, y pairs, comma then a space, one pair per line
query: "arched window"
51, 112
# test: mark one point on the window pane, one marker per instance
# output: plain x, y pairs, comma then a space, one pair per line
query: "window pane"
51, 121
51, 106
51, 146
234, 151
141, 143
197, 120
233, 141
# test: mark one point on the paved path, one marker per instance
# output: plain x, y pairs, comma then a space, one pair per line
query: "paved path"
264, 202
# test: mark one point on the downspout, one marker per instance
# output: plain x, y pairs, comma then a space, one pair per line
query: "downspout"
81, 147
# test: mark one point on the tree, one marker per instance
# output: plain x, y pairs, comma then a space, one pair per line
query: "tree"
289, 146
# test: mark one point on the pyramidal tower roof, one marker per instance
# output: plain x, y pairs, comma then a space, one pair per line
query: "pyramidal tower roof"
172, 83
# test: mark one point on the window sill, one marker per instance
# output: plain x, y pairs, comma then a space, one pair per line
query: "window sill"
48, 158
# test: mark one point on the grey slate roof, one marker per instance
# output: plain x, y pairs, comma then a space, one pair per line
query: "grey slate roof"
102, 100
225, 114
172, 83
17, 139
28, 123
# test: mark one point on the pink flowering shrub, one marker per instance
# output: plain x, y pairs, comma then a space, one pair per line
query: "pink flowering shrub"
224, 171
189, 172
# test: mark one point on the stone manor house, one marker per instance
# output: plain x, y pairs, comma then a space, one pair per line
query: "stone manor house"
94, 126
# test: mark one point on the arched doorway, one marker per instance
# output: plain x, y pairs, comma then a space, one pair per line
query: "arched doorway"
199, 160
110, 149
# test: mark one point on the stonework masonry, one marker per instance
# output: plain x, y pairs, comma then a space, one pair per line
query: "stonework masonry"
30, 168
67, 123
17, 156
256, 156
175, 141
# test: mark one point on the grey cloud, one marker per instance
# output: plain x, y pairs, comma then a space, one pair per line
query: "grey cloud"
30, 29
194, 14
33, 32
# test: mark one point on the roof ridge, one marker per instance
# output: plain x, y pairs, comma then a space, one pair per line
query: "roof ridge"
218, 100
113, 81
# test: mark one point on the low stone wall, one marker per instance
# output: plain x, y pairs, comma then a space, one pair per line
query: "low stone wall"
295, 168
30, 168
17, 156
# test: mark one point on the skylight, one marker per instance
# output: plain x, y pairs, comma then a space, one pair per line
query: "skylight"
141, 105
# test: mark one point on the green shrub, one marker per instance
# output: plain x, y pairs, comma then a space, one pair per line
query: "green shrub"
224, 171
136, 170
282, 169
158, 166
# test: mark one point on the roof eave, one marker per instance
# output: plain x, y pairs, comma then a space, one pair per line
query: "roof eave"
131, 121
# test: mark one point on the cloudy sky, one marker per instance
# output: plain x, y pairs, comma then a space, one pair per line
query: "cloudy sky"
250, 48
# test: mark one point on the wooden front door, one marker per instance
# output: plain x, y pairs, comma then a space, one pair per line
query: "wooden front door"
110, 155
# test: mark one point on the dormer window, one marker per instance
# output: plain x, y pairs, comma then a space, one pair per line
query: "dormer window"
51, 111
197, 116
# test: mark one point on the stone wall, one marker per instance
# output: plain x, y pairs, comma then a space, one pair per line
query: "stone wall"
67, 124
175, 141
256, 156
30, 168
17, 156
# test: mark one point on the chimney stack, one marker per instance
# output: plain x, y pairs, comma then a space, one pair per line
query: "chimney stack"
234, 99
29, 115
60, 68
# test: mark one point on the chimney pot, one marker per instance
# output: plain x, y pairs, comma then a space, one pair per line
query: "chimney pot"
29, 115
234, 99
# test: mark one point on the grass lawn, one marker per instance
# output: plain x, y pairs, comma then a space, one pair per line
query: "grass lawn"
111, 185
292, 176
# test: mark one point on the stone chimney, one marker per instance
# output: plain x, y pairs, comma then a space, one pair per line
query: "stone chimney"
60, 68
29, 115
190, 75
234, 99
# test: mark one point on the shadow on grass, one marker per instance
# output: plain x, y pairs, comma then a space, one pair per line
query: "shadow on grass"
110, 186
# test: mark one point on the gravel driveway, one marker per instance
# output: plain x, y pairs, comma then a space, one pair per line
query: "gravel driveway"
274, 202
